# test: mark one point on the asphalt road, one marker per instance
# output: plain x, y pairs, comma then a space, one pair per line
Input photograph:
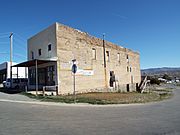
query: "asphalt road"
162, 118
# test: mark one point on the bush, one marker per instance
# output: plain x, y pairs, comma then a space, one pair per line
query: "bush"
167, 77
154, 81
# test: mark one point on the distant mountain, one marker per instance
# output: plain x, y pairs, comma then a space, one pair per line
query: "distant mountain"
173, 72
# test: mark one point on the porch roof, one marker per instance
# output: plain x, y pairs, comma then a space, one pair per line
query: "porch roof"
31, 63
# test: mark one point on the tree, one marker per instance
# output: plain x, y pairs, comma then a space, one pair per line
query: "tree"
167, 77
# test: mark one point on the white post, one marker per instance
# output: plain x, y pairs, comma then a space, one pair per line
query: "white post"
11, 50
36, 78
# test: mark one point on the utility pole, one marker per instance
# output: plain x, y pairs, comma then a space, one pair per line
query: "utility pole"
104, 54
11, 47
11, 51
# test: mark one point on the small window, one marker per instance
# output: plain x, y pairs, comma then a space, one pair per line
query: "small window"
118, 57
127, 57
132, 79
127, 69
32, 55
49, 47
107, 56
39, 51
93, 53
130, 69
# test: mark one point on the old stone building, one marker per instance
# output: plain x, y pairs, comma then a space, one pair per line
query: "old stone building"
60, 44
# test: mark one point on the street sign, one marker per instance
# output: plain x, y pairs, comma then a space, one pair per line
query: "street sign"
74, 68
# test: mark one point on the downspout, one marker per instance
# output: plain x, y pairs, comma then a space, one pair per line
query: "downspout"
104, 54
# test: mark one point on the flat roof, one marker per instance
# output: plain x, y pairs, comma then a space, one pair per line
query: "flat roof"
32, 63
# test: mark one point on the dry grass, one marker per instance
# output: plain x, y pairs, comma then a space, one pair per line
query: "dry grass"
106, 98
117, 98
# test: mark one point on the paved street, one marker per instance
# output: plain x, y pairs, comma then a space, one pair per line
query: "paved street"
162, 118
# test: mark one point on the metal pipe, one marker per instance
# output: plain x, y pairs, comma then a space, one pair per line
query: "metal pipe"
104, 54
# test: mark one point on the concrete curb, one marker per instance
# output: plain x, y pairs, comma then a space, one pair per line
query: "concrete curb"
67, 105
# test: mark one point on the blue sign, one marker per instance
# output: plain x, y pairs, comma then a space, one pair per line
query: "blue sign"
74, 68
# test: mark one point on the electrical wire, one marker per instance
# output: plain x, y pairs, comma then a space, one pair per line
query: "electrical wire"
4, 43
19, 55
4, 36
20, 37
5, 33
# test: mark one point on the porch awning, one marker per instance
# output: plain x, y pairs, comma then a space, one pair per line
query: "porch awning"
32, 63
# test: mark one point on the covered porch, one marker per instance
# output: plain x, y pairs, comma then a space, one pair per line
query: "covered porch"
41, 74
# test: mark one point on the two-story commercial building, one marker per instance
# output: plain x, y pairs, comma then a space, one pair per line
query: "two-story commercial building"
101, 65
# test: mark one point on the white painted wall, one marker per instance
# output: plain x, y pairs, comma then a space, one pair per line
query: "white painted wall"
41, 41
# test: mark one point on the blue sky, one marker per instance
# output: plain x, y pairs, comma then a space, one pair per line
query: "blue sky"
151, 27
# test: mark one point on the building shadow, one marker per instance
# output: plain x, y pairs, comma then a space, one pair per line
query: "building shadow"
10, 91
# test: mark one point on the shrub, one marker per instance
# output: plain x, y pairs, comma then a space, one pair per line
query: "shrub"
154, 81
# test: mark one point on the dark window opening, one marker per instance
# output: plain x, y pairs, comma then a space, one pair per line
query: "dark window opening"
39, 51
50, 75
127, 87
137, 87
127, 69
32, 55
46, 76
112, 78
107, 56
49, 47
32, 76
127, 57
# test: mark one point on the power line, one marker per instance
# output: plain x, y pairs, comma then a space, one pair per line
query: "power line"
16, 44
4, 36
4, 43
19, 55
20, 37
5, 33
20, 41
3, 53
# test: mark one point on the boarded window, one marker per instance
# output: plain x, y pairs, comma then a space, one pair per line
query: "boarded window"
93, 53
118, 57
107, 56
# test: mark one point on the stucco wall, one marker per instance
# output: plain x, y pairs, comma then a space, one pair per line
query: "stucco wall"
41, 41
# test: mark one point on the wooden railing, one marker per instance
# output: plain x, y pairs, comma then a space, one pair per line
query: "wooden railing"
53, 88
143, 84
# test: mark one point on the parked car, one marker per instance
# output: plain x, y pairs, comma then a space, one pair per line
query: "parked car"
16, 83
4, 83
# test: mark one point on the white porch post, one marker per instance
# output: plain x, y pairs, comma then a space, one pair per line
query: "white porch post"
36, 78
